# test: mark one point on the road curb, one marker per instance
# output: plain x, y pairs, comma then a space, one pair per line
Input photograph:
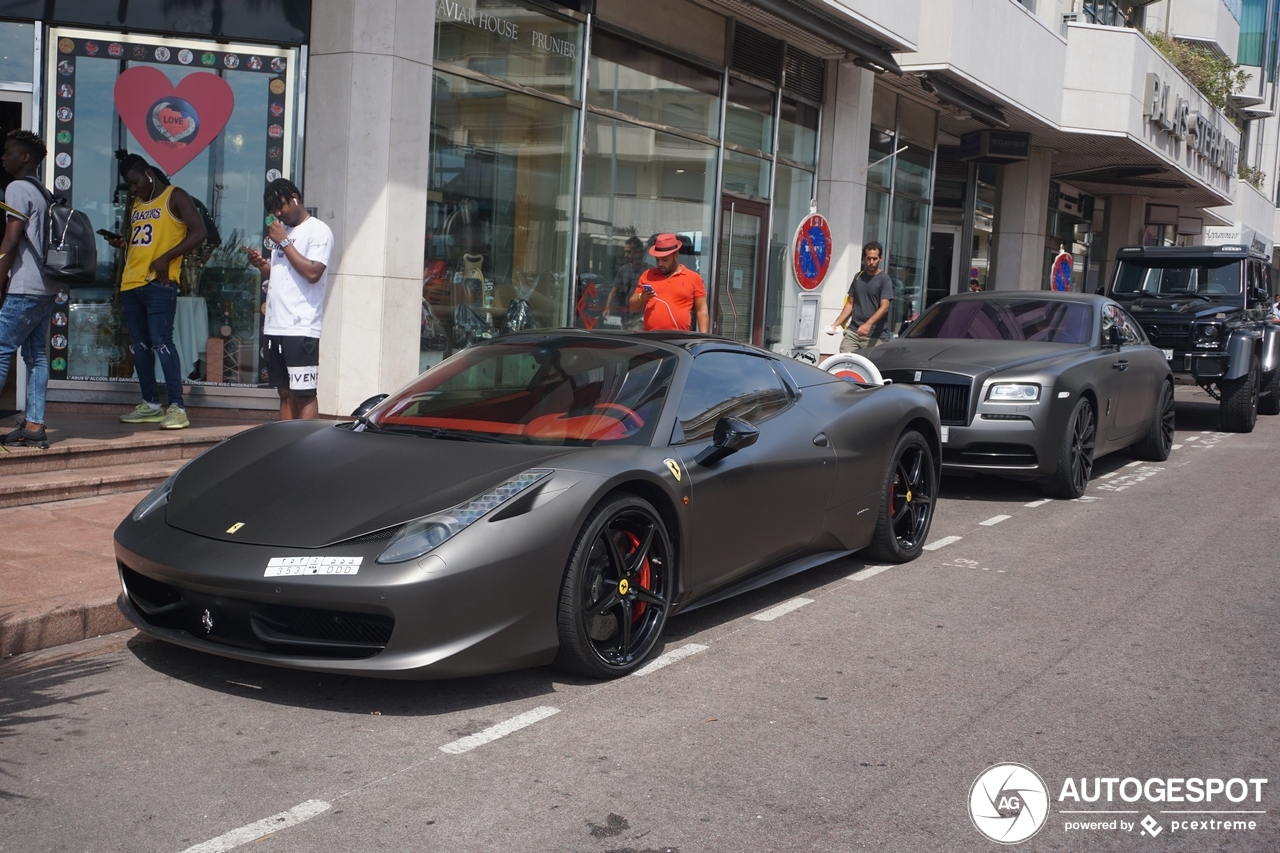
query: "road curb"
22, 632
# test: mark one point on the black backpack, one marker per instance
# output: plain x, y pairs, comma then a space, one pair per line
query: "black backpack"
70, 251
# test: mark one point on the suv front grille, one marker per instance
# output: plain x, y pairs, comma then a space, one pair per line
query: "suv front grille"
1168, 334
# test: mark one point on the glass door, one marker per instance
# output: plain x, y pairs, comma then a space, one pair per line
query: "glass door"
943, 270
739, 294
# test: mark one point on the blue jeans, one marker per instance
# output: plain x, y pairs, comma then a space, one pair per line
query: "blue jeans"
148, 313
24, 322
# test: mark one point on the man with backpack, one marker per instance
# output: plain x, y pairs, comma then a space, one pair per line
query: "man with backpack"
28, 301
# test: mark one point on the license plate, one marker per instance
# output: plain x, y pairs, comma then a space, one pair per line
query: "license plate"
1168, 355
283, 567
946, 434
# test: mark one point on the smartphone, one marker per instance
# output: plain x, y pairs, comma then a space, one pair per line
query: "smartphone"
648, 288
110, 235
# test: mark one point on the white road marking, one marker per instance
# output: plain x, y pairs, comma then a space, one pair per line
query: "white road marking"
863, 574
1040, 502
669, 658
782, 609
1134, 464
1205, 431
1176, 447
994, 520
264, 827
502, 729
1192, 438
1131, 479
942, 543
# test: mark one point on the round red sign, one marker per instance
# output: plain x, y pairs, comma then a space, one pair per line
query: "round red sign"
811, 251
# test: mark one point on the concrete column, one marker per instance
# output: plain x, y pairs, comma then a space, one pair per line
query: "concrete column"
1126, 217
368, 126
1022, 212
842, 184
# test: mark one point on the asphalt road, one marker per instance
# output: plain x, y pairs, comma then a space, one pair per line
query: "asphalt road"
1129, 634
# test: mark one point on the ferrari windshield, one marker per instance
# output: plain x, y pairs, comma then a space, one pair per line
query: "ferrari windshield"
558, 391
1218, 276
1048, 320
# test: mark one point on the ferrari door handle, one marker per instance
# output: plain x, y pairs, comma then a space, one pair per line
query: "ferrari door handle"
1120, 365
820, 440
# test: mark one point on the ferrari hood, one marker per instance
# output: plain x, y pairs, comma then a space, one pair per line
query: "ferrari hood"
972, 357
304, 484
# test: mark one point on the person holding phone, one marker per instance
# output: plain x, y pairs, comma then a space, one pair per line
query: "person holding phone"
163, 226
297, 276
670, 294
24, 320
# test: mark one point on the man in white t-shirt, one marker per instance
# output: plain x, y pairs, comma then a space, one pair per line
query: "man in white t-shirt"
298, 273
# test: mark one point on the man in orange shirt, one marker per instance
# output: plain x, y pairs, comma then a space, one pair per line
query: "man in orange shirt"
670, 292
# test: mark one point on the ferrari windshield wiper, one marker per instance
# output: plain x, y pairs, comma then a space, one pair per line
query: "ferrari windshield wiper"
450, 434
370, 426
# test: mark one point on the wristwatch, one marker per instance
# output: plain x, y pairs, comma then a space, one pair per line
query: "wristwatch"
285, 243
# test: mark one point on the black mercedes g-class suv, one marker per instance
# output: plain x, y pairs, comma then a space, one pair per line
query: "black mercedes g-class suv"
1207, 308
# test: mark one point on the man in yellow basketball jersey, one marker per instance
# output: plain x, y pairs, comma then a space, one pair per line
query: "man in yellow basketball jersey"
163, 226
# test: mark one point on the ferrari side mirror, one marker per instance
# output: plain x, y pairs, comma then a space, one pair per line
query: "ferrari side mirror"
367, 406
732, 435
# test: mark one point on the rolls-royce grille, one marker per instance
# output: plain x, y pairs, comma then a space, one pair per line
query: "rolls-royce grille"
276, 628
1000, 455
953, 403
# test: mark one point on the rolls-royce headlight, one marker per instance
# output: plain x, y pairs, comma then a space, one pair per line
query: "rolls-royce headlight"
1010, 392
424, 534
159, 497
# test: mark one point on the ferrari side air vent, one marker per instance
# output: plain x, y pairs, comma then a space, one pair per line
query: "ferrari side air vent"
376, 536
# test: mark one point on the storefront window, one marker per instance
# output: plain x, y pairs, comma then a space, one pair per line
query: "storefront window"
630, 79
219, 120
748, 119
17, 50
798, 132
497, 249
637, 183
512, 41
793, 190
746, 174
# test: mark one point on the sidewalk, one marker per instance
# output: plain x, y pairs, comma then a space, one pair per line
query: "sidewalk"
58, 581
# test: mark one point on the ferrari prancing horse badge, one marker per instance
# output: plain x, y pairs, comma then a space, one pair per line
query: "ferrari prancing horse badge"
674, 467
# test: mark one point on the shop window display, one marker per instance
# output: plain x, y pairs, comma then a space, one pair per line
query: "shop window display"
219, 120
637, 183
497, 248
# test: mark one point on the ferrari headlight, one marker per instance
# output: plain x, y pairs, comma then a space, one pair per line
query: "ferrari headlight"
159, 497
418, 537
1009, 392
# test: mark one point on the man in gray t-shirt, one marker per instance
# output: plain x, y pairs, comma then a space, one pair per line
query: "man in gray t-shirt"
870, 296
24, 317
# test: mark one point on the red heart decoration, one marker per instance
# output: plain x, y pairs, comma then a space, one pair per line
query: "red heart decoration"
173, 124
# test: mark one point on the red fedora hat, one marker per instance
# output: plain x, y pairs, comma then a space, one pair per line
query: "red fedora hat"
665, 244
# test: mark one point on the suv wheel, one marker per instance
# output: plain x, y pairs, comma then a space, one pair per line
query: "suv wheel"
1239, 407
1270, 403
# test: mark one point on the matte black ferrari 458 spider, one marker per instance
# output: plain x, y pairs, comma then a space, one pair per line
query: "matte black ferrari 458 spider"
545, 497
1036, 385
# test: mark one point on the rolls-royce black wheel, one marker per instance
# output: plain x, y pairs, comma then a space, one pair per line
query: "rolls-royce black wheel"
1158, 442
1075, 460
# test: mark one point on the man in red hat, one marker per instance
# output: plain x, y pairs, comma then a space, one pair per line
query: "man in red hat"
670, 292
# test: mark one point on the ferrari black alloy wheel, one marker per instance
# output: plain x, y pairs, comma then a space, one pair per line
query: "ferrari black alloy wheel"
906, 505
1158, 442
1075, 461
617, 589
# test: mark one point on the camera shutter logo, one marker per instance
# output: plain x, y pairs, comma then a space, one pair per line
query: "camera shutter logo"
1008, 803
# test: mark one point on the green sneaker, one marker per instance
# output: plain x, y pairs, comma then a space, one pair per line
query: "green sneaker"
175, 417
144, 413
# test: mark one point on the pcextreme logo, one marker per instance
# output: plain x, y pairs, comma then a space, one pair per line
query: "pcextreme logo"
1009, 803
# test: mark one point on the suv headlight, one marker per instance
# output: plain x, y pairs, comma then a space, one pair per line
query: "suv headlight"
1209, 334
1012, 392
159, 497
424, 534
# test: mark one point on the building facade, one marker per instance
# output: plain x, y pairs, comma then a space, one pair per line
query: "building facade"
490, 165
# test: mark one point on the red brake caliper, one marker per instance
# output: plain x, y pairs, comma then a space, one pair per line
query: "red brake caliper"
643, 580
